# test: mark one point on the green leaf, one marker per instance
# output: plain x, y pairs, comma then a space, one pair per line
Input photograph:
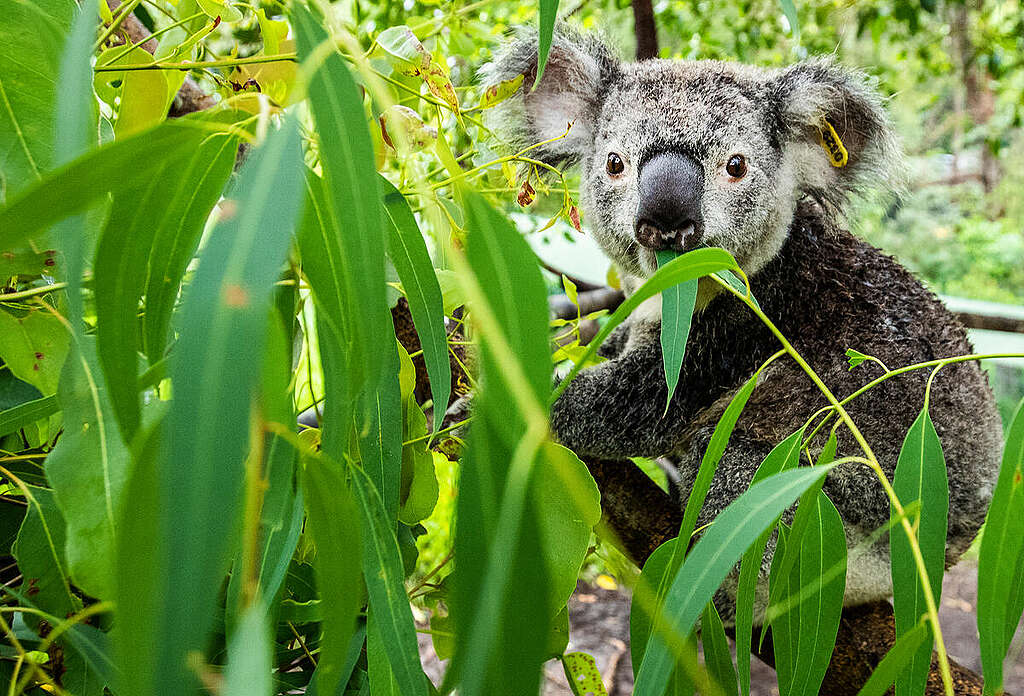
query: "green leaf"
385, 577
186, 205
14, 419
26, 261
565, 501
408, 252
419, 478
732, 532
709, 464
496, 635
88, 469
789, 9
32, 41
784, 456
332, 521
920, 476
895, 661
160, 225
34, 346
999, 562
404, 49
736, 284
352, 205
805, 512
582, 674
690, 265
804, 635
716, 650
546, 32
250, 656
191, 531
654, 571
677, 305
39, 551
62, 192
76, 132
378, 669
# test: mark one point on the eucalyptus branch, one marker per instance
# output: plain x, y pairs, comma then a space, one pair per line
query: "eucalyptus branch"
937, 363
125, 10
31, 292
915, 548
191, 65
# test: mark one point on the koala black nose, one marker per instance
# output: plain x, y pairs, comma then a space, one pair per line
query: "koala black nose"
669, 213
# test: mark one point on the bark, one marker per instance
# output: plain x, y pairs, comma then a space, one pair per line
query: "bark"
645, 30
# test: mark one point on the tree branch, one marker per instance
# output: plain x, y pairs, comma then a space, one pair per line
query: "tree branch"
645, 30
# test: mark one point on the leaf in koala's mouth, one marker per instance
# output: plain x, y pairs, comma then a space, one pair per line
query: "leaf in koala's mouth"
677, 305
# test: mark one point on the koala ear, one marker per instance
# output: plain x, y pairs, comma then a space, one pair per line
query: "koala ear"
579, 68
835, 117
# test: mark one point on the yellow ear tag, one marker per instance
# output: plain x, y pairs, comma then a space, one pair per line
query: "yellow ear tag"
837, 153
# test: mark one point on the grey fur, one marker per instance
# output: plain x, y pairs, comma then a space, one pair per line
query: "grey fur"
826, 290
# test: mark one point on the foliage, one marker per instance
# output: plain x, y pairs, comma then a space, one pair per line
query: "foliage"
165, 319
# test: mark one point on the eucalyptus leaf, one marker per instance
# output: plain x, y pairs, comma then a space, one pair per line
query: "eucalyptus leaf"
722, 544
920, 477
999, 561
677, 305
190, 532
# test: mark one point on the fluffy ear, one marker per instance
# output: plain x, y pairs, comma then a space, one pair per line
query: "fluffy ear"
834, 118
570, 91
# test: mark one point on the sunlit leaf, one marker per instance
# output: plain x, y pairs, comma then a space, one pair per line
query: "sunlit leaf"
495, 94
582, 674
180, 538
34, 345
404, 130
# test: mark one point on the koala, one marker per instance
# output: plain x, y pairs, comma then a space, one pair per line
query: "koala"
681, 154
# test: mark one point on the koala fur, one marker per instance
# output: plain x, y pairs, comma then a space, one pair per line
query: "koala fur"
825, 289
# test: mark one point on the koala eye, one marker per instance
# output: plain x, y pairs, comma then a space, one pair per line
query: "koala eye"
615, 165
736, 167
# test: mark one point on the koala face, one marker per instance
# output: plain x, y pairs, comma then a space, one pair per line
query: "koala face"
683, 154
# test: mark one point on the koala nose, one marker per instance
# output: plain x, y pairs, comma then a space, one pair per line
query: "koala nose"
669, 214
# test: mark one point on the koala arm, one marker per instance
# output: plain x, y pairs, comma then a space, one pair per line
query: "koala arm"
617, 409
